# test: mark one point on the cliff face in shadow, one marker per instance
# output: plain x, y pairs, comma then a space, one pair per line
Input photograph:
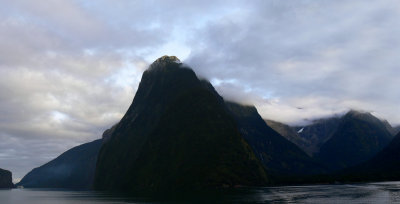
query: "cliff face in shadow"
281, 157
6, 179
384, 166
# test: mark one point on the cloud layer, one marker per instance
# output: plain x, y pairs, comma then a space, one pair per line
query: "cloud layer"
306, 59
69, 69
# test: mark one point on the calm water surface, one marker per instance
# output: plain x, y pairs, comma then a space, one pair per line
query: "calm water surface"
388, 192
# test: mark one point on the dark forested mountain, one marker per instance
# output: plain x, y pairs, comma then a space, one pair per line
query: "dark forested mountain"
176, 135
280, 156
72, 169
384, 166
358, 138
6, 179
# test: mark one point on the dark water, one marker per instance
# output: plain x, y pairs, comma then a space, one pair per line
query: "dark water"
388, 192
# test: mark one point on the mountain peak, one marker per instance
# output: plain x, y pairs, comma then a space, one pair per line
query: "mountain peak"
363, 115
173, 137
168, 58
165, 61
360, 114
354, 112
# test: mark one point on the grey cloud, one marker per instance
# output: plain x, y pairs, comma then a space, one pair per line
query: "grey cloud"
340, 54
69, 69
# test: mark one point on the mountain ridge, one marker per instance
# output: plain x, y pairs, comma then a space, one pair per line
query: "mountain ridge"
309, 138
280, 156
358, 138
72, 169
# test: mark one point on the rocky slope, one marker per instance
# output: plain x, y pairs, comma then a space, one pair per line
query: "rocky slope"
291, 134
317, 133
309, 138
281, 157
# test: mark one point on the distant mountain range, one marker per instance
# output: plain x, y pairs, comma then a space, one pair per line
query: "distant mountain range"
309, 138
73, 169
179, 134
358, 138
340, 142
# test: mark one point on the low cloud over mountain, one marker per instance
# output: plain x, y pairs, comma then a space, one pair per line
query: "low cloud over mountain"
69, 69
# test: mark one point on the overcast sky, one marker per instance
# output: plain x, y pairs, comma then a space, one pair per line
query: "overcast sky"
69, 69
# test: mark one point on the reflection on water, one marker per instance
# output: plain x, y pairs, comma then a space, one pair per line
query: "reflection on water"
388, 192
